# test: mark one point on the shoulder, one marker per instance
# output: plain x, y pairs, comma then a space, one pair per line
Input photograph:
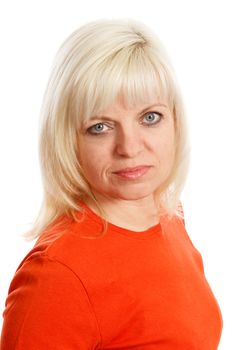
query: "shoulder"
46, 294
174, 230
66, 242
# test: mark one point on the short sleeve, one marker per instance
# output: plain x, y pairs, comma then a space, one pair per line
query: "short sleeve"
48, 308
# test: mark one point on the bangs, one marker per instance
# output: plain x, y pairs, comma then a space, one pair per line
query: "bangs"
133, 76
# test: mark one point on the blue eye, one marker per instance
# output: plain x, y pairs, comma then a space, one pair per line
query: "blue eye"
152, 118
97, 128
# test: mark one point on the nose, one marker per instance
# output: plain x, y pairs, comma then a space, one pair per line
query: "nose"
129, 143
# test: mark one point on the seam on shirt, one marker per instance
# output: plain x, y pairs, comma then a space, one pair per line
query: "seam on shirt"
45, 255
61, 263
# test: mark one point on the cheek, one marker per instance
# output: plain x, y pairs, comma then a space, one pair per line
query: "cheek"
92, 159
168, 146
165, 149
164, 141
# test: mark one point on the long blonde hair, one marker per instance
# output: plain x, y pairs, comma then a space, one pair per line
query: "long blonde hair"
94, 65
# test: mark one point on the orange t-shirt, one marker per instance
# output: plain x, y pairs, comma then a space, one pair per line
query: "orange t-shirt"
123, 290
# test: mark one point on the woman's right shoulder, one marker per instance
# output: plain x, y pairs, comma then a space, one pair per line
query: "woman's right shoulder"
47, 294
66, 241
52, 242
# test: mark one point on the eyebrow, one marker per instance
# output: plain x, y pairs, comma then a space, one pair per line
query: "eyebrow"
154, 105
104, 117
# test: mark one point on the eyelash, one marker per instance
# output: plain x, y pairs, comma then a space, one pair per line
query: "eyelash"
154, 122
89, 130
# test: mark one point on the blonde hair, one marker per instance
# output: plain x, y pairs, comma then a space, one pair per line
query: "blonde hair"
96, 64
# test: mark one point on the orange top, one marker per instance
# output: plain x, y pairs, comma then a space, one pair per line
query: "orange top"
124, 290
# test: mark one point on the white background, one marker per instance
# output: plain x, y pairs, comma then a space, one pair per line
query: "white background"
198, 36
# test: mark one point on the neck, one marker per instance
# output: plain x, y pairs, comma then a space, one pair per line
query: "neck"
135, 215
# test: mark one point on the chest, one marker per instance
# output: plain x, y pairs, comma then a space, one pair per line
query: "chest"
156, 297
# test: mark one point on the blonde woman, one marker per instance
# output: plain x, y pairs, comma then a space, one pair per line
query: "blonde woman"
113, 266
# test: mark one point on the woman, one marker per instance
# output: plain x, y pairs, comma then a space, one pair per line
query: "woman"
113, 266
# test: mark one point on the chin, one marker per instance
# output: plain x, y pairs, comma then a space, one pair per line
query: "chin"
132, 195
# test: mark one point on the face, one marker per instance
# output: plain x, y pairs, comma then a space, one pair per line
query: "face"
127, 153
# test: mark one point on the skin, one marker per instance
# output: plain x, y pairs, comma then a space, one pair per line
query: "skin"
124, 137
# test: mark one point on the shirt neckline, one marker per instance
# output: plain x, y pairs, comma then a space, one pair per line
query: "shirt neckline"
152, 231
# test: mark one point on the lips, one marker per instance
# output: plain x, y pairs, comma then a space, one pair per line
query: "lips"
133, 173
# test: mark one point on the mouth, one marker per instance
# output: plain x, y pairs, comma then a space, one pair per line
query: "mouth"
133, 173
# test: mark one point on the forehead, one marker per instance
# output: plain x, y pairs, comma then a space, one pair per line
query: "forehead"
123, 105
137, 100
